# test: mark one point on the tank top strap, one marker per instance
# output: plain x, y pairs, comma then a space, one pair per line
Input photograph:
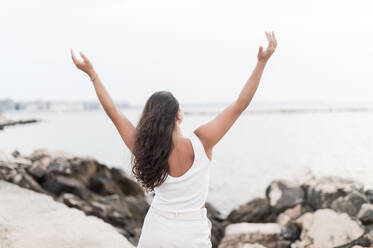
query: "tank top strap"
198, 148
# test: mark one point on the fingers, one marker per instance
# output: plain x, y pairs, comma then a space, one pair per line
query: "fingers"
84, 57
75, 60
260, 50
78, 62
268, 36
274, 39
272, 43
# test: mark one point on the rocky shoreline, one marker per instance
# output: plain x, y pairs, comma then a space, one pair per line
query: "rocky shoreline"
315, 213
310, 212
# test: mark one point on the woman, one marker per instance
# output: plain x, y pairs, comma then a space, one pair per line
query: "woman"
172, 165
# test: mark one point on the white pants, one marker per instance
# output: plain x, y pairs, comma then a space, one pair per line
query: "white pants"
165, 229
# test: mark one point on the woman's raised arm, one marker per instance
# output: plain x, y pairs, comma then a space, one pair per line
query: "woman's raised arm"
124, 126
211, 132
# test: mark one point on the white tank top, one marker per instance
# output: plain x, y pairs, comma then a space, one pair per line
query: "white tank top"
189, 191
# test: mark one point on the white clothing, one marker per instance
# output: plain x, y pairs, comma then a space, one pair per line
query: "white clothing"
170, 229
176, 217
189, 191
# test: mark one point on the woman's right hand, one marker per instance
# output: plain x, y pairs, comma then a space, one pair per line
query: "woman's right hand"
85, 65
264, 55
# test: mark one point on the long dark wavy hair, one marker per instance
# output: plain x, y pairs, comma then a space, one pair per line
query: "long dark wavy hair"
153, 140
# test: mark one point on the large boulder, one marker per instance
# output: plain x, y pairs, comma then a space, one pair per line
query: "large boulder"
369, 195
284, 194
74, 201
240, 234
8, 160
256, 210
126, 185
39, 168
367, 239
21, 178
40, 153
13, 169
33, 220
366, 214
290, 214
350, 203
326, 228
63, 184
290, 231
323, 191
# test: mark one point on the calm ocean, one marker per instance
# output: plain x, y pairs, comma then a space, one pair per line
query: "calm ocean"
260, 147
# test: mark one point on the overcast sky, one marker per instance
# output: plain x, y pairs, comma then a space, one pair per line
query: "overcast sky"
201, 50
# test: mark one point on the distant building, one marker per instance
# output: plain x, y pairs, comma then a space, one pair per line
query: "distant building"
31, 105
6, 104
65, 106
91, 105
123, 105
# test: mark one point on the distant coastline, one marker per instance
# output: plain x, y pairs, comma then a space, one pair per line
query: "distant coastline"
291, 110
190, 108
5, 123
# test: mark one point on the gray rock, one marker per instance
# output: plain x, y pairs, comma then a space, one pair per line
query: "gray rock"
73, 201
14, 170
290, 231
366, 214
290, 214
40, 153
26, 181
322, 192
62, 184
283, 244
368, 239
369, 195
103, 186
39, 167
256, 210
59, 166
349, 204
7, 159
240, 234
126, 185
284, 194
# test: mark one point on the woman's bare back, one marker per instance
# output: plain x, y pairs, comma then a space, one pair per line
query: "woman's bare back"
181, 157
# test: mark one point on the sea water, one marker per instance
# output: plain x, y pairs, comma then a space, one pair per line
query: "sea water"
263, 145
